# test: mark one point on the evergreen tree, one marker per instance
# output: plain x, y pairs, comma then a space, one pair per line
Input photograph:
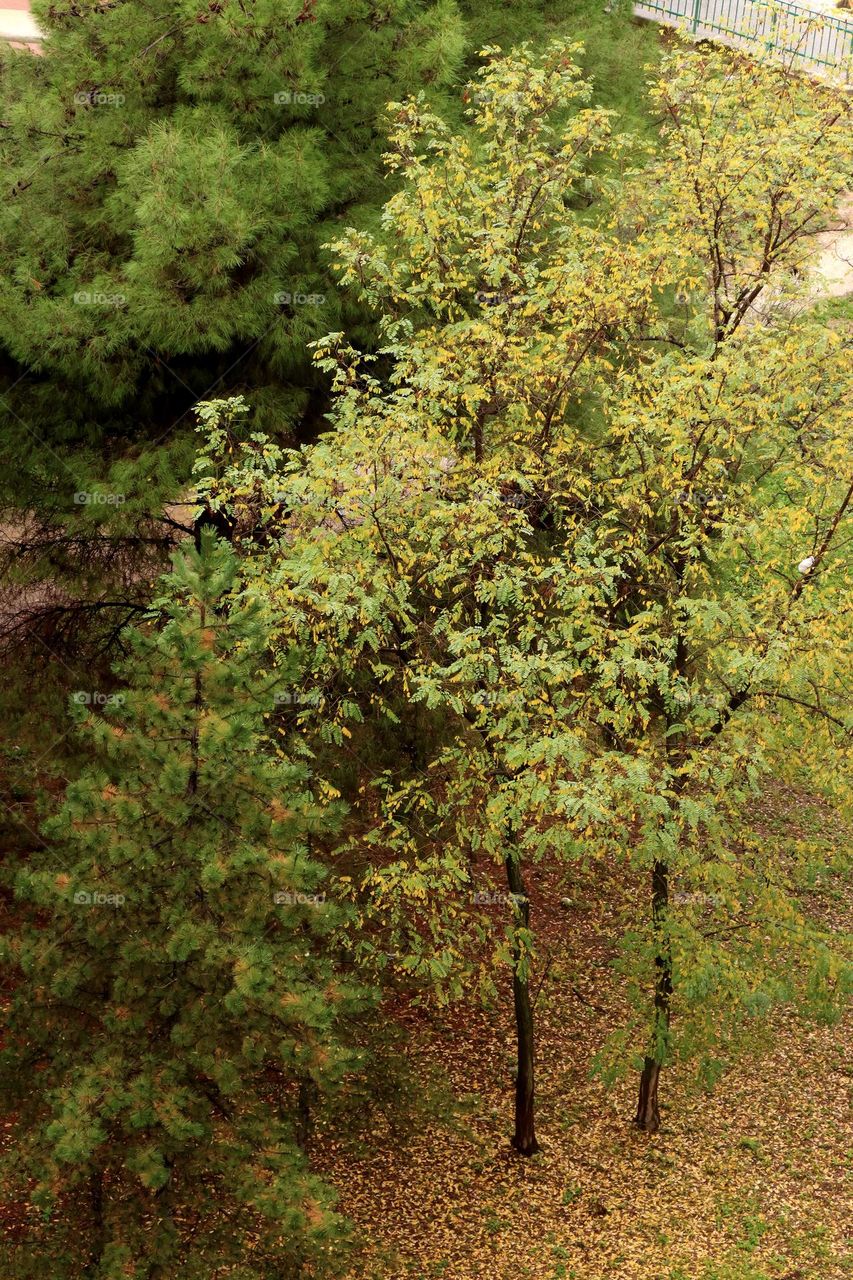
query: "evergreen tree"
176, 1003
171, 171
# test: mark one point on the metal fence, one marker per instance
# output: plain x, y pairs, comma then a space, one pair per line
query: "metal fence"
810, 41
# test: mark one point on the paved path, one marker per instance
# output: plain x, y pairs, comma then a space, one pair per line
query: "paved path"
833, 266
16, 22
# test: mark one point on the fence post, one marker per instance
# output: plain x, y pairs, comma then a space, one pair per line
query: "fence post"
774, 18
697, 13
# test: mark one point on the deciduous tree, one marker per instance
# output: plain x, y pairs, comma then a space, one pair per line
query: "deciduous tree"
571, 368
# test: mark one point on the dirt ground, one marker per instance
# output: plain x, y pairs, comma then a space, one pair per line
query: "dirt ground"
746, 1183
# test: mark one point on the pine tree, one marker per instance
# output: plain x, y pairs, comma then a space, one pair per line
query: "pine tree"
171, 171
176, 1004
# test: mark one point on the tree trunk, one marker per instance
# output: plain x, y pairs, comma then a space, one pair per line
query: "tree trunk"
96, 1204
304, 1109
221, 523
648, 1108
165, 1242
524, 1138
648, 1111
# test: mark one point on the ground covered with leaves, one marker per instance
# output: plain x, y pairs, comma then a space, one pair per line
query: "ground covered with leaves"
749, 1182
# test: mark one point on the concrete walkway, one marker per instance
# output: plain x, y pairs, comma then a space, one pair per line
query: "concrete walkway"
17, 24
833, 266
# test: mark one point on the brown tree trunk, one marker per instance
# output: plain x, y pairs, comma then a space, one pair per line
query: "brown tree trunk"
648, 1110
96, 1204
165, 1241
221, 523
524, 1138
304, 1112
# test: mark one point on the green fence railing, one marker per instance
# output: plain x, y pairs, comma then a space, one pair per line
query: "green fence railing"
809, 40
